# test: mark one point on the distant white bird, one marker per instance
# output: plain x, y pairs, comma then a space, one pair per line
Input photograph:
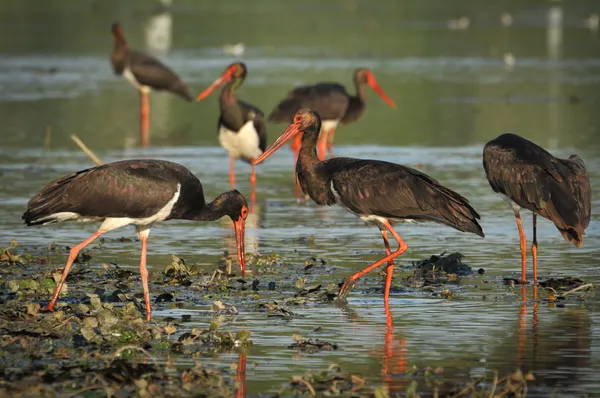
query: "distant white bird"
459, 24
509, 59
506, 19
592, 22
237, 49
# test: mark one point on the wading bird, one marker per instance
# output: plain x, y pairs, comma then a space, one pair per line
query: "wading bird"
242, 130
138, 192
333, 103
145, 73
378, 192
529, 177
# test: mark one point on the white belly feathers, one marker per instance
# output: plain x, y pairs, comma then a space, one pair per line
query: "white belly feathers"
243, 144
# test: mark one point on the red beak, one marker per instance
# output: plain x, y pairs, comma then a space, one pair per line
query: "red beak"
291, 131
224, 78
375, 86
240, 227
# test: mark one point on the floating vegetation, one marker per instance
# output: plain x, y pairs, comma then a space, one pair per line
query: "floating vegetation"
197, 340
310, 345
559, 288
426, 382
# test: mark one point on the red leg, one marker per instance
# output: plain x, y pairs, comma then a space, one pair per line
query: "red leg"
389, 271
253, 184
145, 118
232, 172
523, 243
144, 273
534, 248
241, 377
349, 284
330, 142
72, 256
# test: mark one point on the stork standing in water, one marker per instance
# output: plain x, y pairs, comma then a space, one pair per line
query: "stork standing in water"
378, 192
333, 103
137, 192
242, 129
145, 73
527, 176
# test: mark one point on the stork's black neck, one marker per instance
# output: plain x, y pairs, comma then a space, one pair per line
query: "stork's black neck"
361, 90
232, 114
211, 211
308, 150
314, 180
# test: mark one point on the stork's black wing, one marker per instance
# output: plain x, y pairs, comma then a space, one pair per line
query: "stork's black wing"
151, 72
534, 179
393, 191
132, 188
329, 99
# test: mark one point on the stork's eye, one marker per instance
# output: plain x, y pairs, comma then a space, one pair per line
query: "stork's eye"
244, 212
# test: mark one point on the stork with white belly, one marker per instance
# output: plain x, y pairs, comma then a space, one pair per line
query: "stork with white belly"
242, 129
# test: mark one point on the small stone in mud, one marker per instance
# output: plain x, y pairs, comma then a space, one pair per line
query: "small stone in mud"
448, 263
255, 284
481, 271
271, 285
186, 318
164, 297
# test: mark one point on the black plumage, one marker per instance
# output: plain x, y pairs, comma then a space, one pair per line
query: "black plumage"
333, 103
139, 192
397, 192
534, 179
376, 191
147, 70
235, 137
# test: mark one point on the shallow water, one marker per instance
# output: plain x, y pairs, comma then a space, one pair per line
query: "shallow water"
453, 93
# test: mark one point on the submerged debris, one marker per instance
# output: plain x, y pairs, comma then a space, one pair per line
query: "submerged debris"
86, 347
447, 263
310, 345
426, 382
562, 284
558, 289
276, 309
197, 339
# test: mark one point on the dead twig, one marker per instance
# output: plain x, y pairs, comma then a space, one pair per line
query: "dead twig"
586, 286
87, 150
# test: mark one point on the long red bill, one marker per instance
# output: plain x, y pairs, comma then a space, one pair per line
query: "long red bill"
225, 77
375, 86
240, 229
292, 130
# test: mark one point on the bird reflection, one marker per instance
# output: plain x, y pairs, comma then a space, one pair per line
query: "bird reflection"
522, 329
553, 348
240, 378
394, 360
394, 353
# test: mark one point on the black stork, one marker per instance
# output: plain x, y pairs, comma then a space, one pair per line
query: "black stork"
145, 73
333, 103
378, 192
242, 129
527, 176
138, 192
